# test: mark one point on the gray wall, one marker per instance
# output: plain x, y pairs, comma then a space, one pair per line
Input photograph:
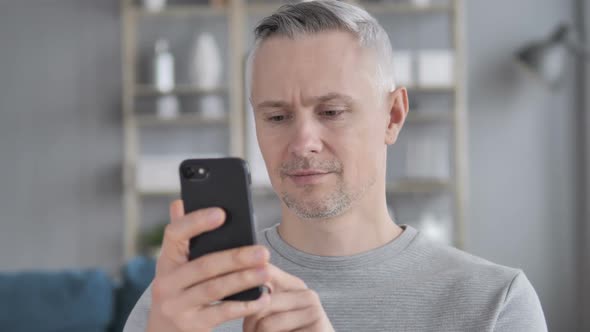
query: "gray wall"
61, 143
60, 134
584, 223
522, 153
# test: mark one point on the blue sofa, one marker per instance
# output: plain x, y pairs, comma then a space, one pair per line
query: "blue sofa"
71, 301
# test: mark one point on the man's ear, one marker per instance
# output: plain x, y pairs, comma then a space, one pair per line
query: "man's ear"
397, 102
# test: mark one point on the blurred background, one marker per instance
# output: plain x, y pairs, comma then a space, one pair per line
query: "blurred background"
101, 100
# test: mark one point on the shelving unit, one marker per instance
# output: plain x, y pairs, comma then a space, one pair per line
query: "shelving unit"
417, 186
150, 91
183, 11
408, 8
237, 14
383, 8
181, 120
135, 120
426, 118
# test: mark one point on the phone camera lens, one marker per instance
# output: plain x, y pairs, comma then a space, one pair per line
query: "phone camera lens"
188, 172
195, 173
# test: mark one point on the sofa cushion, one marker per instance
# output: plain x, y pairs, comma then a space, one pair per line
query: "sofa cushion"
137, 274
56, 301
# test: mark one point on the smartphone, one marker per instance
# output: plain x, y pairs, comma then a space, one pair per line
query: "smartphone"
224, 183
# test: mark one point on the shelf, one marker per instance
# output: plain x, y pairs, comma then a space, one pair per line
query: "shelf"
389, 8
430, 88
159, 193
373, 8
258, 191
181, 90
269, 8
418, 117
399, 187
181, 120
183, 11
410, 186
263, 8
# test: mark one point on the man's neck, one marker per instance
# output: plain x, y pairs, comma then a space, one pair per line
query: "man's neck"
363, 228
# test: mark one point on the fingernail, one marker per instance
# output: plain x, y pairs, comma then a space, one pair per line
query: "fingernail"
259, 254
215, 214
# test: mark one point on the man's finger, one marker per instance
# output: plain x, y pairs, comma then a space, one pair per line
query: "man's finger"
218, 288
288, 320
279, 302
282, 281
217, 264
292, 300
178, 234
176, 210
231, 310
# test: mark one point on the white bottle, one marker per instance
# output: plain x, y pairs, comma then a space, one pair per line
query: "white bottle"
206, 69
211, 107
421, 3
163, 67
167, 107
154, 5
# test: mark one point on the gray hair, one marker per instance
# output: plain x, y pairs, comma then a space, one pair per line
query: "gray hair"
311, 17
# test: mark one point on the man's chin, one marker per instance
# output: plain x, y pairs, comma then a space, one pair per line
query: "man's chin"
315, 204
305, 191
312, 212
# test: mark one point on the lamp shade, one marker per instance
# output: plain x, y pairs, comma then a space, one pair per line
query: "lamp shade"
546, 59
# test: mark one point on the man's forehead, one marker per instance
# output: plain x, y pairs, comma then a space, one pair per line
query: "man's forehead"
322, 59
309, 48
307, 101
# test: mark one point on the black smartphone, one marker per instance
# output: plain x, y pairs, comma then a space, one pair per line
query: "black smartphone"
224, 183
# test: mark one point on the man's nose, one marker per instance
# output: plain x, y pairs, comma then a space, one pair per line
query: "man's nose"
305, 137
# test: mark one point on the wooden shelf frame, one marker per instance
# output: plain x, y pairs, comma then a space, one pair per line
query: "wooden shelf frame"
372, 8
142, 90
180, 120
236, 14
180, 11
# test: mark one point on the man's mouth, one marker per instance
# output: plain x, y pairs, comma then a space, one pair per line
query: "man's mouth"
307, 177
307, 173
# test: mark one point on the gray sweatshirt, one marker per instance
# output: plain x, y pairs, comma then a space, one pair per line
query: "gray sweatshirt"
409, 284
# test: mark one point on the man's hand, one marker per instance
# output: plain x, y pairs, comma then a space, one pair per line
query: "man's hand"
293, 307
183, 291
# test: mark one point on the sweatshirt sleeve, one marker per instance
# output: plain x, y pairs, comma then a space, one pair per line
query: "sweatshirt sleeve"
138, 318
522, 309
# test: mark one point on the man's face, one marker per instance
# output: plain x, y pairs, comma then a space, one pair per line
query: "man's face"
320, 121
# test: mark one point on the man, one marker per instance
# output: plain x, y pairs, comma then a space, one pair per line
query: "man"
326, 109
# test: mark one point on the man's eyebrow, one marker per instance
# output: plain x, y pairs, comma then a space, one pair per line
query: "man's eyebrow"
273, 104
328, 97
309, 101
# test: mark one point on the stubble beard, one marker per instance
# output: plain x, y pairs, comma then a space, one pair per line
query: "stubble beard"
333, 204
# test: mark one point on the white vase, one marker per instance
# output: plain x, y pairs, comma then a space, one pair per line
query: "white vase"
167, 107
154, 5
421, 3
211, 107
436, 68
163, 67
206, 67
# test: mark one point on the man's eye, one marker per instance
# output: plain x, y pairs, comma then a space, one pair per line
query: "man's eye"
331, 113
276, 118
